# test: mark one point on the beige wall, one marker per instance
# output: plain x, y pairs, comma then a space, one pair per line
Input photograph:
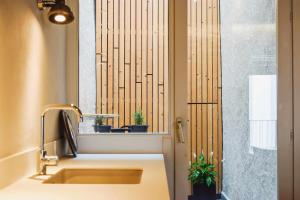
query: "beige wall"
32, 74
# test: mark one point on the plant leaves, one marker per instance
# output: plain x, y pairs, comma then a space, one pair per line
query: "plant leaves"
208, 181
202, 172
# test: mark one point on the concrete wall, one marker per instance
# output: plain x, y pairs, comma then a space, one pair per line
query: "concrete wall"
87, 62
33, 63
248, 47
72, 52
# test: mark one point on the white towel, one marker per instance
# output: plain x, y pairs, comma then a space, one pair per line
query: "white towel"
263, 111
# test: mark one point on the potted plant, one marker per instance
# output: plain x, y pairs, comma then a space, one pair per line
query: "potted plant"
139, 125
100, 126
202, 175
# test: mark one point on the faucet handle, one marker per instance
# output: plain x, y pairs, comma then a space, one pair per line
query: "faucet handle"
51, 160
47, 161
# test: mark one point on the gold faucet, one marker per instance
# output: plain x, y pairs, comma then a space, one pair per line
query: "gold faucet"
46, 160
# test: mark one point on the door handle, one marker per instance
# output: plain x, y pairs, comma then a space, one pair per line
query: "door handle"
179, 130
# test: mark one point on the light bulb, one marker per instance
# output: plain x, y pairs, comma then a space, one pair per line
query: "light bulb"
60, 18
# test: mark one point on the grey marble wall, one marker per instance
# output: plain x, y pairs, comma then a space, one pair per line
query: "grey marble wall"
248, 40
87, 62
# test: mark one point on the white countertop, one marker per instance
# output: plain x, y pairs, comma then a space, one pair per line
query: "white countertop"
153, 184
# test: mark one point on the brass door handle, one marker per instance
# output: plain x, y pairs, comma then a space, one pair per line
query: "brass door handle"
179, 130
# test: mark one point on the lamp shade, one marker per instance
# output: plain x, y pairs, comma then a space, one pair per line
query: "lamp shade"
60, 14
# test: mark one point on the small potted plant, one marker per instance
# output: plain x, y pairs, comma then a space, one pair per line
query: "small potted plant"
139, 125
100, 126
202, 176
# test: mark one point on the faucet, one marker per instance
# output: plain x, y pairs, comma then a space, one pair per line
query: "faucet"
44, 158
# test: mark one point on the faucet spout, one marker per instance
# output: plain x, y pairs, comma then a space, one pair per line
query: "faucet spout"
71, 107
43, 152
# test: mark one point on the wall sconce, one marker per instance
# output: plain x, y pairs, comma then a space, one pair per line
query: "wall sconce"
59, 12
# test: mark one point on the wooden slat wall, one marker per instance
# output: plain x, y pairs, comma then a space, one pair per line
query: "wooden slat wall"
204, 81
132, 60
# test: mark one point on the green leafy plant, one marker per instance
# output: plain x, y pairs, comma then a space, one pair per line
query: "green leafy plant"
99, 120
138, 118
202, 172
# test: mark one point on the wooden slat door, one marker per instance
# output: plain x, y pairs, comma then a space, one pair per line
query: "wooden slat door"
198, 101
204, 82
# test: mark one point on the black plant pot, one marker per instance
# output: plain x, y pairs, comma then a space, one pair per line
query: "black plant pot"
202, 192
118, 130
102, 128
137, 128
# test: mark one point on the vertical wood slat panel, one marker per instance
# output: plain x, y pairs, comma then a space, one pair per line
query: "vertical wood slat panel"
194, 50
166, 63
199, 130
205, 130
150, 65
132, 60
138, 55
104, 31
215, 98
194, 128
127, 95
209, 50
144, 26
220, 122
215, 142
215, 51
116, 84
99, 57
121, 62
189, 60
116, 61
127, 60
110, 51
160, 65
204, 81
209, 130
155, 65
104, 87
99, 28
209, 78
189, 56
204, 50
199, 77
193, 70
104, 57
161, 108
98, 83
199, 51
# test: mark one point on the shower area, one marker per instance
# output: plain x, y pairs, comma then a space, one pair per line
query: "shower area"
232, 93
232, 98
249, 99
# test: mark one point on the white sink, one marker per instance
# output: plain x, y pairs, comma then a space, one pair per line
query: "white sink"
95, 176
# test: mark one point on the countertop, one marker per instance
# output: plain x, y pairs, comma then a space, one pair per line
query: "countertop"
153, 184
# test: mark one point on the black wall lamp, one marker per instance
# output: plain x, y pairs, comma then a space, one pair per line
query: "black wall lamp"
59, 12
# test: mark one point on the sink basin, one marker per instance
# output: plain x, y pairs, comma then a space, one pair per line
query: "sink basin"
96, 176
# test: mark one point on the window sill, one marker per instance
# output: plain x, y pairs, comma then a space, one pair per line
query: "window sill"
126, 133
